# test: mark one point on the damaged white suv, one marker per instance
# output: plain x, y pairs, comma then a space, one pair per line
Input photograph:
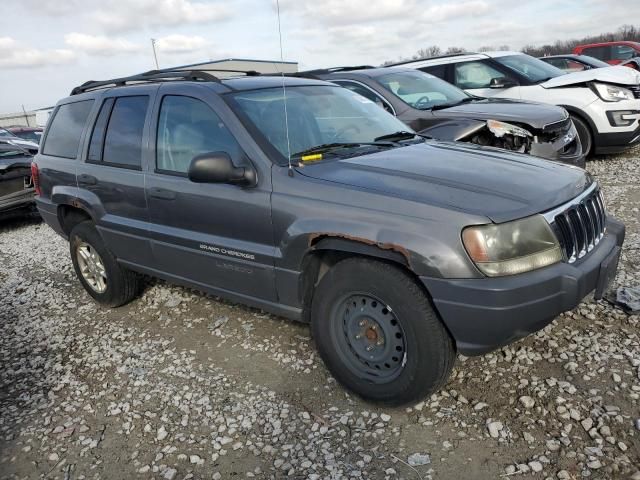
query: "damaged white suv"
604, 103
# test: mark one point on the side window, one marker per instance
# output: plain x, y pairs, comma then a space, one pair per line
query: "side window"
471, 75
99, 129
123, 139
623, 52
63, 137
601, 53
365, 92
188, 127
439, 71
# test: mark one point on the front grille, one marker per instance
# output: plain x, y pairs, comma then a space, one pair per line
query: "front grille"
635, 90
581, 226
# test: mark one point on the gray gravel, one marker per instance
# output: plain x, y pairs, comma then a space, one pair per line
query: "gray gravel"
178, 385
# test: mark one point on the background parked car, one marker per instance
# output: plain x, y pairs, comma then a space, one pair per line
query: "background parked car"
440, 110
33, 134
574, 63
611, 52
605, 114
8, 137
16, 184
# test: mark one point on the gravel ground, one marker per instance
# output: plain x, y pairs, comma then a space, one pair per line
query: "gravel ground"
178, 385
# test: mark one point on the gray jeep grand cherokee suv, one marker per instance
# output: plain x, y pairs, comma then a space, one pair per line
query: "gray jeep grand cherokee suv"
400, 252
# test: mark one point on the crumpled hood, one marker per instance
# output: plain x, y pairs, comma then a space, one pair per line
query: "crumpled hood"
536, 115
473, 179
618, 75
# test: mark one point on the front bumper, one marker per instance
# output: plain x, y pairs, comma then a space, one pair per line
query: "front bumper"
485, 314
566, 149
17, 201
616, 142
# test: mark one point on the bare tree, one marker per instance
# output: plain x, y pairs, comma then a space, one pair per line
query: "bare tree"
430, 51
452, 50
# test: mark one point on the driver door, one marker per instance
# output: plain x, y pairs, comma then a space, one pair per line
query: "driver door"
217, 236
475, 77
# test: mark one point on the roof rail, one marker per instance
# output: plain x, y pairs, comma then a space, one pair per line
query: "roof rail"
150, 76
325, 71
404, 62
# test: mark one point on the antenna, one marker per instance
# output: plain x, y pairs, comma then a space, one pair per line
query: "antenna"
155, 56
284, 93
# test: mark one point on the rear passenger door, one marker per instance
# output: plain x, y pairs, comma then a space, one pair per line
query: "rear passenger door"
216, 236
112, 172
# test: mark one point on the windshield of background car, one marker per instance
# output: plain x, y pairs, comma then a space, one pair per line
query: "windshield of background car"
6, 133
32, 135
421, 90
533, 69
316, 115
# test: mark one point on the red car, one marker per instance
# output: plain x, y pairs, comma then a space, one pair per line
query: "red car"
614, 53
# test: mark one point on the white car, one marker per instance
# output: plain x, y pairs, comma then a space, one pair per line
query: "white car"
604, 103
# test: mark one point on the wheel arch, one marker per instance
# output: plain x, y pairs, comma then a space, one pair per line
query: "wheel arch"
327, 250
576, 112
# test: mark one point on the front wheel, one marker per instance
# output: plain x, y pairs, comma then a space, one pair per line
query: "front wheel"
377, 333
584, 133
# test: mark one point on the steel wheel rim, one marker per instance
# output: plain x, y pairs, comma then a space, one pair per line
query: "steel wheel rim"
370, 339
91, 267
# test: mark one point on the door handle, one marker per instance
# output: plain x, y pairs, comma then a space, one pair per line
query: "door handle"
162, 193
87, 179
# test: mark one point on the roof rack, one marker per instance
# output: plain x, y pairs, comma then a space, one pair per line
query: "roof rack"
159, 75
404, 62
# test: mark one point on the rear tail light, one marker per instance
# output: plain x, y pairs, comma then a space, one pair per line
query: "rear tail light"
35, 176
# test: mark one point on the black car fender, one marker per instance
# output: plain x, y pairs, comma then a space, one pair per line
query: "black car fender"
454, 130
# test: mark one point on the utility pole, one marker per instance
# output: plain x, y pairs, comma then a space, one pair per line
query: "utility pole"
26, 117
155, 56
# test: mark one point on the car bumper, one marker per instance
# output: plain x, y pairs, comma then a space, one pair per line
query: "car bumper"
485, 314
616, 142
17, 200
566, 149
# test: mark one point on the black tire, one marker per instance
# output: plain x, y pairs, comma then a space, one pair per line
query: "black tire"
584, 133
429, 351
122, 285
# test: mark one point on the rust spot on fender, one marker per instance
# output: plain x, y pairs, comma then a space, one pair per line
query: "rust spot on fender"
314, 238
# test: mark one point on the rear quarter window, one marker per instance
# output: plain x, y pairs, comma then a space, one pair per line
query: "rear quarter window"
63, 137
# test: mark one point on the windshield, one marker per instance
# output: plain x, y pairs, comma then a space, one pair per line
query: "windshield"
8, 151
31, 135
6, 133
317, 115
421, 90
533, 69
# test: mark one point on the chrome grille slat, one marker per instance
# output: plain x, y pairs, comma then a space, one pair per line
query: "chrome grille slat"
579, 225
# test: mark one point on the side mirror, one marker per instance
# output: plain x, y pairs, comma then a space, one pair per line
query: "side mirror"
502, 82
217, 167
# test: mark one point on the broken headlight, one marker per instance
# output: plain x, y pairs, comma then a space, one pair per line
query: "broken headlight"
612, 93
513, 247
500, 129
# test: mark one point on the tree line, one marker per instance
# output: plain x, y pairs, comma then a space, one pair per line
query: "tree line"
626, 32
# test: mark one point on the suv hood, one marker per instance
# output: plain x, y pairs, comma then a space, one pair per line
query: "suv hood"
536, 115
469, 178
618, 75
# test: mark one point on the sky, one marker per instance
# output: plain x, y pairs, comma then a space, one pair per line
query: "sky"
49, 46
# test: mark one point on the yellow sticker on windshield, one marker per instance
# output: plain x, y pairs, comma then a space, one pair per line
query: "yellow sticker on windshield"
312, 158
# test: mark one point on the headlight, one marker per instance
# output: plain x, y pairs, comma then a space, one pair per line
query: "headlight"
513, 247
500, 129
612, 93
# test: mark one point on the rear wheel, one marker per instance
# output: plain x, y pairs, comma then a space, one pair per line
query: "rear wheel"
102, 277
378, 334
584, 133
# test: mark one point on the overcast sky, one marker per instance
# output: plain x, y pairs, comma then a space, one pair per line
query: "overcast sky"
49, 46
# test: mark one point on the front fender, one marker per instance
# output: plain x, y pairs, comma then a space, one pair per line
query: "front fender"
454, 130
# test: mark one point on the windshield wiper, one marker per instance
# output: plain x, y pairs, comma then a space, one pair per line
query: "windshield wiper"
326, 147
400, 135
454, 104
